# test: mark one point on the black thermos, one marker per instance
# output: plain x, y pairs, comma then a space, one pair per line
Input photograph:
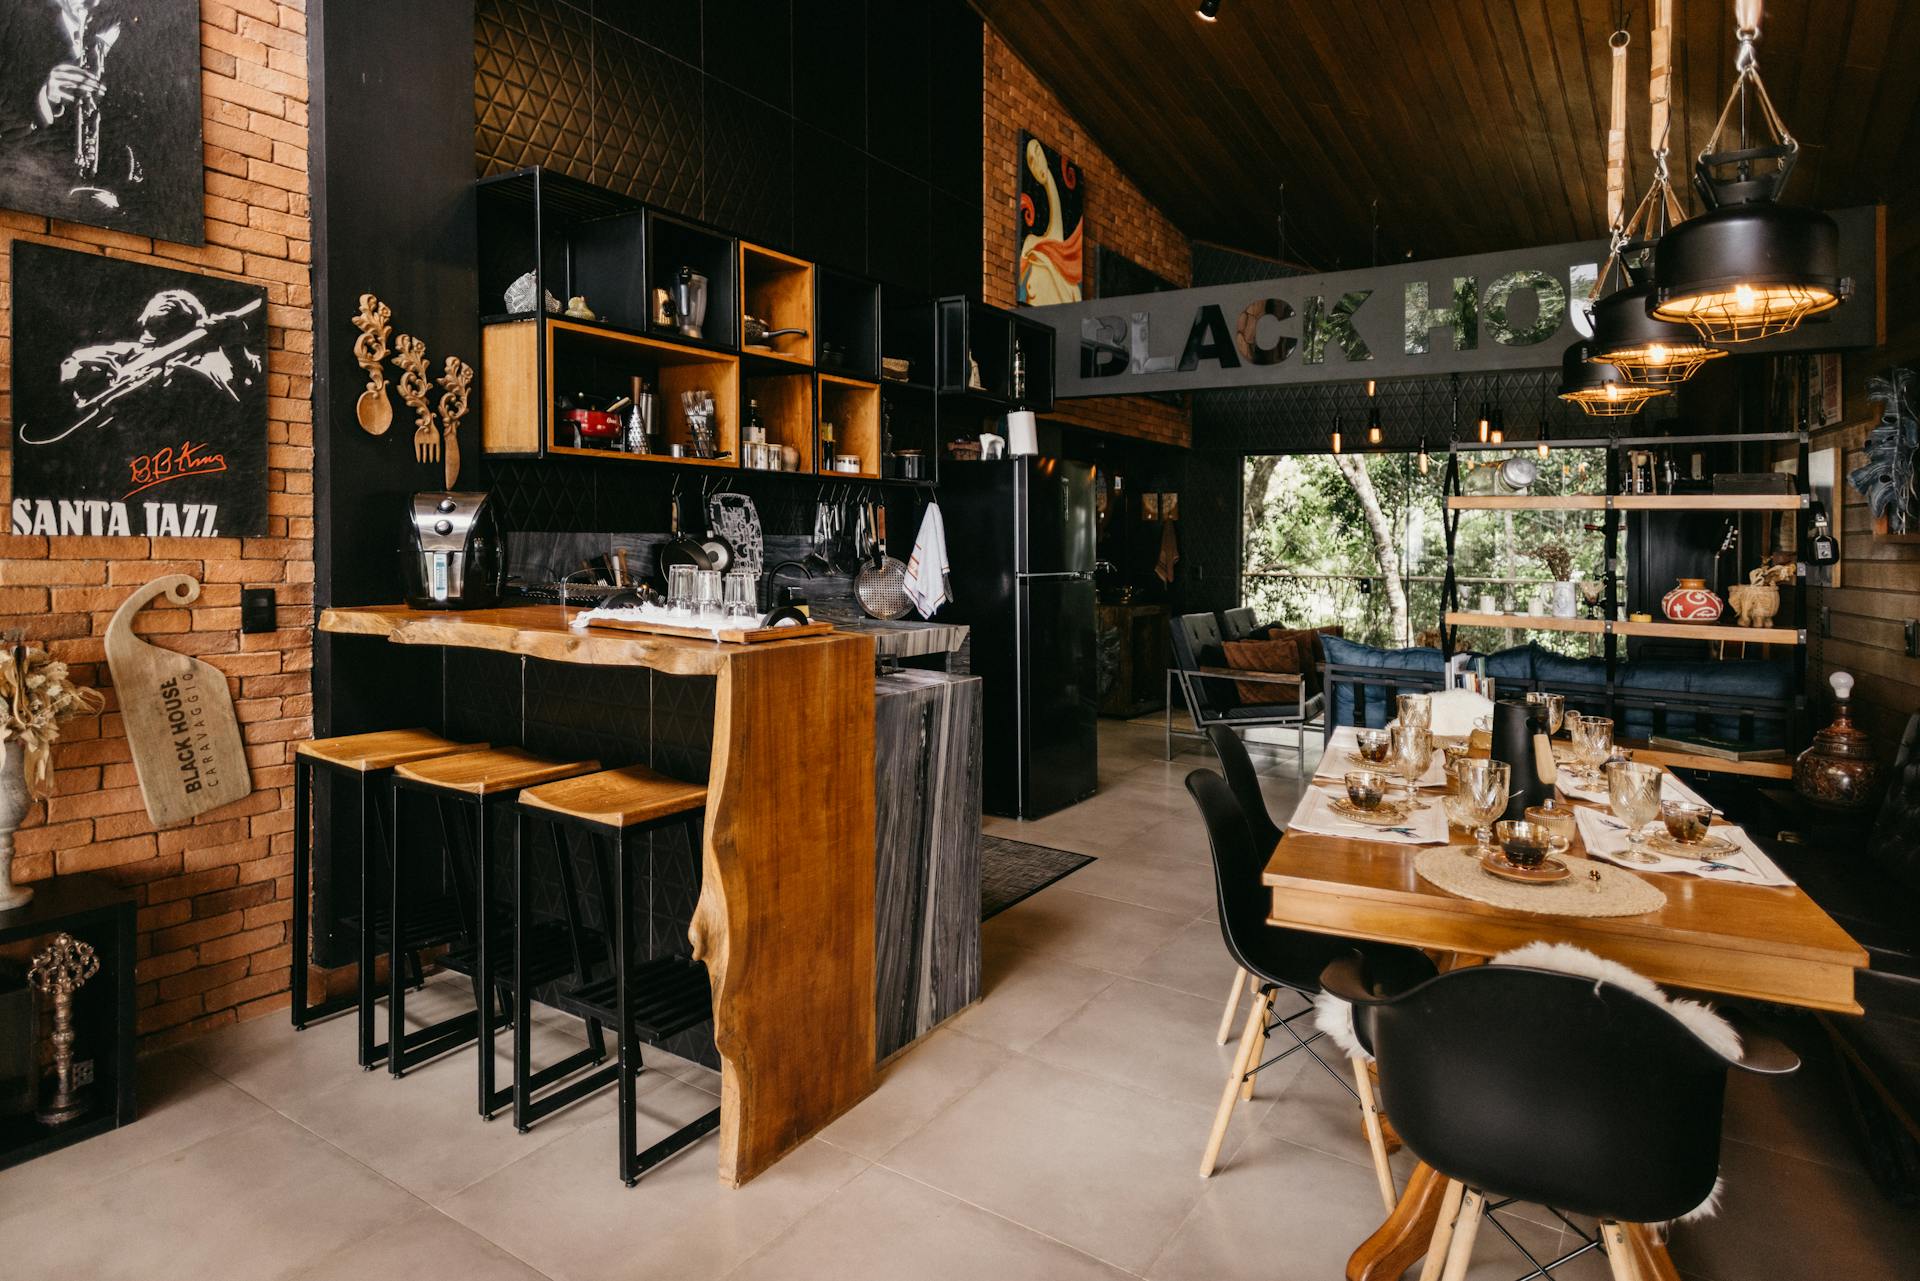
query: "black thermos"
1521, 739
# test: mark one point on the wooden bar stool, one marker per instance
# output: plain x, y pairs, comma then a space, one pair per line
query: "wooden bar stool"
480, 780
651, 999
367, 759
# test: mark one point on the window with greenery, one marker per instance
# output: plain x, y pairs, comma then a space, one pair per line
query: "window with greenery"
1357, 540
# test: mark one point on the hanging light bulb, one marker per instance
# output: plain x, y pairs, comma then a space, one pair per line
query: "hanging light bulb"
1374, 433
1542, 447
1749, 267
1334, 440
1486, 422
1425, 459
1600, 390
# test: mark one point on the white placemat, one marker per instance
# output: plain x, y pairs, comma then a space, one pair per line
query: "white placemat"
1671, 789
1315, 814
1342, 757
1605, 836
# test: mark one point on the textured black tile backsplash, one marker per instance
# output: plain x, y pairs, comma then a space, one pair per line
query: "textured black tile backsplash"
723, 110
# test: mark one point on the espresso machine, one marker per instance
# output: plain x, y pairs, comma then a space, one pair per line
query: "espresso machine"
454, 555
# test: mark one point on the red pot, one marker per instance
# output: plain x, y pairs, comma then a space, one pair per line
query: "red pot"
596, 424
1691, 602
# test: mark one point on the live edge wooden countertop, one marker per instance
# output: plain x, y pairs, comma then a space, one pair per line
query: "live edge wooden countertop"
785, 917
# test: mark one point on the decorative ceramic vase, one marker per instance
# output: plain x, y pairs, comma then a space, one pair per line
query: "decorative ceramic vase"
1839, 770
1691, 602
1754, 604
14, 803
1566, 600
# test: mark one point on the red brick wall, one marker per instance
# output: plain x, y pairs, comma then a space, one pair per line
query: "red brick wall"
215, 895
1117, 215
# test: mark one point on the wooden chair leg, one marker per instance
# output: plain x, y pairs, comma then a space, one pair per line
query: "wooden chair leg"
1265, 1006
1230, 1095
1233, 1005
1443, 1230
1376, 1139
1613, 1239
1460, 1253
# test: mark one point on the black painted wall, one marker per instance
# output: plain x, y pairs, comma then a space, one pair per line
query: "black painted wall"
845, 130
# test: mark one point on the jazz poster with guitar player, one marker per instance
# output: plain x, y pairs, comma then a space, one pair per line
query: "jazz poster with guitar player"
139, 399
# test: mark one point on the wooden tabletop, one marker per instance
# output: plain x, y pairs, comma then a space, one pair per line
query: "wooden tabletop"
1736, 940
543, 631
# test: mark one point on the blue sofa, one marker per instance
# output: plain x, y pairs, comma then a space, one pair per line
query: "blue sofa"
1751, 701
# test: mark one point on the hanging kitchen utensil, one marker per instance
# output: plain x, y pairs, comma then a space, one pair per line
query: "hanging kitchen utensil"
455, 384
679, 549
881, 587
373, 410
410, 354
733, 517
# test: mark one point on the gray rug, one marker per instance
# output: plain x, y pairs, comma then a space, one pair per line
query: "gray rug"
1014, 870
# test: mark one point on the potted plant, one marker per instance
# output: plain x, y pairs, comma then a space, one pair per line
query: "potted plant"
1559, 565
35, 696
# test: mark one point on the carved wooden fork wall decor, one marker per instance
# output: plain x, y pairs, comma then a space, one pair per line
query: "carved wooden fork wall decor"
435, 439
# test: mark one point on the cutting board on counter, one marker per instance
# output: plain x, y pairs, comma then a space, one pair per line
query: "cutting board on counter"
729, 635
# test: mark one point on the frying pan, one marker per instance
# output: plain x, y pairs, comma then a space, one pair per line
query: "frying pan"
680, 549
881, 585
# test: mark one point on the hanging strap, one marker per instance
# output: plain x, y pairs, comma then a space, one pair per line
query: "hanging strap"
1746, 18
1660, 84
1617, 133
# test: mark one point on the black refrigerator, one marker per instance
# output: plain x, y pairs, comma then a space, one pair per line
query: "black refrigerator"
1020, 535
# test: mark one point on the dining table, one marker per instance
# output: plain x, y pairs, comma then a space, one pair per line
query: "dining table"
1769, 943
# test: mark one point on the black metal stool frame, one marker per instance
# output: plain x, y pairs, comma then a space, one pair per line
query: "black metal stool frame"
672, 1012
367, 1051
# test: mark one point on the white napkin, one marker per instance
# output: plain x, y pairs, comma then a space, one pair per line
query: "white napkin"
1315, 814
1340, 759
1605, 836
1671, 789
928, 586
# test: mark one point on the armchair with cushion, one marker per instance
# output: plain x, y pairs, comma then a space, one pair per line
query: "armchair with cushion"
1215, 692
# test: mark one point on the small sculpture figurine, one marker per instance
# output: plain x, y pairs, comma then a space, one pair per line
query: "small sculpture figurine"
61, 969
577, 308
1757, 600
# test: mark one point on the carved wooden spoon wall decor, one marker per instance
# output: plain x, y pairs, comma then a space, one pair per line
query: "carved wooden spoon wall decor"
411, 357
373, 409
455, 383
181, 726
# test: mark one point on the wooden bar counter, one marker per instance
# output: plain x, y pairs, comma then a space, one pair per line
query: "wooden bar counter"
785, 915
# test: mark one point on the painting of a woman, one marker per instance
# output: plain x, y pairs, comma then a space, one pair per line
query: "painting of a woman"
1051, 264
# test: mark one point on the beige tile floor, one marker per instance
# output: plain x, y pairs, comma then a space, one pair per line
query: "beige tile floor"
1050, 1133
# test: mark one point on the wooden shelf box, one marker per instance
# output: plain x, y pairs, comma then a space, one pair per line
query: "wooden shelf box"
777, 289
786, 407
853, 407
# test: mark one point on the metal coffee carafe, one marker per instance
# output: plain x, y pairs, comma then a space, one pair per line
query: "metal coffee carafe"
689, 302
1521, 739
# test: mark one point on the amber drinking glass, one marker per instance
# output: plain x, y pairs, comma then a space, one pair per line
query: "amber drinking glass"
1411, 753
1634, 792
1479, 790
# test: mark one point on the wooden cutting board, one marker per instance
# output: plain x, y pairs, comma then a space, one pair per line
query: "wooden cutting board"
180, 721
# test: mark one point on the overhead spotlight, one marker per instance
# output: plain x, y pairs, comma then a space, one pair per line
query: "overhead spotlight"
1209, 11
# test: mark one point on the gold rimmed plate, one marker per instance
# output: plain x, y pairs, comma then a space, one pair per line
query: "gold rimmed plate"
1388, 814
1707, 847
1494, 863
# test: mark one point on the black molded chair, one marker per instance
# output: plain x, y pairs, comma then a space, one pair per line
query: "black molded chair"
1278, 959
1245, 782
1629, 1131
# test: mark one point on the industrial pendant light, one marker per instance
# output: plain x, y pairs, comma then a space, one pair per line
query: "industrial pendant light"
1600, 390
1374, 432
1209, 11
1646, 350
1750, 267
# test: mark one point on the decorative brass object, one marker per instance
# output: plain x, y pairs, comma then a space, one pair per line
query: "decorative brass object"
455, 385
410, 355
61, 969
373, 410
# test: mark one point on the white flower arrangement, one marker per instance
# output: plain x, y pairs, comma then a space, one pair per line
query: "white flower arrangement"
35, 696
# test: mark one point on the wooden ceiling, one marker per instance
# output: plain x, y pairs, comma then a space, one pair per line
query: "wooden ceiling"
1476, 125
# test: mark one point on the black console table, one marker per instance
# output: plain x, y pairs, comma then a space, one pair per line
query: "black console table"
99, 914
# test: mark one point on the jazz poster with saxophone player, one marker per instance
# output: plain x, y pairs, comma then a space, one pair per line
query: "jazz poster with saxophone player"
100, 114
139, 399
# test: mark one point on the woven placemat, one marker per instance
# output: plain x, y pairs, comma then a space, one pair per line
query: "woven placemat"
1618, 892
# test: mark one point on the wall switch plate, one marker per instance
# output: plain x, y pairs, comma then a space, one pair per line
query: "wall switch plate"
82, 1073
258, 609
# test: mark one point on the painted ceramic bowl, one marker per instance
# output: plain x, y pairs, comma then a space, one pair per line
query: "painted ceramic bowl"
1691, 602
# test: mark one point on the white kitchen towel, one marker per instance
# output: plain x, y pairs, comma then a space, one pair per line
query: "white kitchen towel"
928, 585
1316, 814
1606, 836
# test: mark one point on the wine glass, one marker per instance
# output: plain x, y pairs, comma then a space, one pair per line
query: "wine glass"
1590, 591
1634, 791
1477, 793
1593, 746
1416, 710
1411, 753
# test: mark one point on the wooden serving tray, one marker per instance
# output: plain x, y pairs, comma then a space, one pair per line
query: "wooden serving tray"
730, 635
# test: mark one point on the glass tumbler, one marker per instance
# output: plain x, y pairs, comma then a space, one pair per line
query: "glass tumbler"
706, 593
680, 588
1416, 710
738, 592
